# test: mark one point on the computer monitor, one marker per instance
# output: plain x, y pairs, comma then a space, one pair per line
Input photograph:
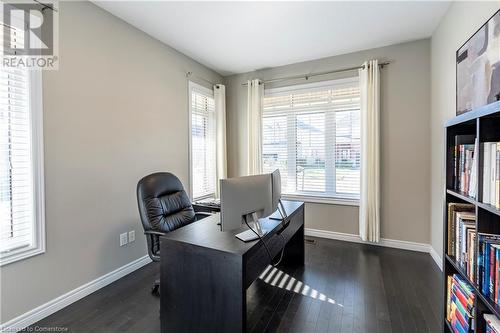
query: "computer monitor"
243, 198
246, 199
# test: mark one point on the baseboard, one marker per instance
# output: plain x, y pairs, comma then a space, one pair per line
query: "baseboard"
397, 244
437, 258
72, 296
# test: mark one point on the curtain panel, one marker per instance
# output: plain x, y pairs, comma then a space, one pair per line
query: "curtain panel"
369, 206
254, 122
220, 149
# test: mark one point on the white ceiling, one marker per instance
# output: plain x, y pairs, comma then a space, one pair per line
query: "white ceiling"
237, 37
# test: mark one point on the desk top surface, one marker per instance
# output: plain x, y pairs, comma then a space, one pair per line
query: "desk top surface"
207, 233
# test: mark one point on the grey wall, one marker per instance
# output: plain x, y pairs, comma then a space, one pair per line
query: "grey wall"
116, 110
405, 134
459, 23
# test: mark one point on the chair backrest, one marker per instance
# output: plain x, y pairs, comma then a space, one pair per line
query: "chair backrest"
163, 204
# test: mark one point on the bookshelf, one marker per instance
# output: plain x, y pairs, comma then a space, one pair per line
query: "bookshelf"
484, 125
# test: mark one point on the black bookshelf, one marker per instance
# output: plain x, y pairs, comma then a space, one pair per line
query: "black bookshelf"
484, 123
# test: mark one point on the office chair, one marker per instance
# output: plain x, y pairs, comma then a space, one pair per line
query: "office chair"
164, 206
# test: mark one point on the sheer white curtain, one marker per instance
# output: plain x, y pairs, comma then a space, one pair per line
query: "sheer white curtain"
254, 122
369, 206
220, 121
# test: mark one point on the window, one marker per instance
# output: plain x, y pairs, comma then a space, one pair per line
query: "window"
203, 141
21, 162
312, 134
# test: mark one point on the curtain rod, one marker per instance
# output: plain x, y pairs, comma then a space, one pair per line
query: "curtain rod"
307, 76
191, 74
45, 6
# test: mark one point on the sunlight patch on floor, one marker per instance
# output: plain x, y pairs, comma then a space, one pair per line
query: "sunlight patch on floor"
280, 279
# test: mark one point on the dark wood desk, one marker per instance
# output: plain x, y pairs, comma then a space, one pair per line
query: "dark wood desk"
205, 272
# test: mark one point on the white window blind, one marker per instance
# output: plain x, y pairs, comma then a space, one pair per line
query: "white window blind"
21, 199
203, 142
312, 134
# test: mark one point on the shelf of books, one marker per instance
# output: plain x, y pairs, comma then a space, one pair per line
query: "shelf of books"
472, 222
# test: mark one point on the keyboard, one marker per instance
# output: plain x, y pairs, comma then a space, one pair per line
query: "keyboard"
209, 202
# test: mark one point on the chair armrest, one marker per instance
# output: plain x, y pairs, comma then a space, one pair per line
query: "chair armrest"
157, 233
152, 240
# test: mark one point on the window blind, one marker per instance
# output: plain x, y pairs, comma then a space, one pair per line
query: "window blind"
312, 134
203, 142
16, 163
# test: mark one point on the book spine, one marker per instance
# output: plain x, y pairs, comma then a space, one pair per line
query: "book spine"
497, 281
463, 298
448, 299
455, 167
493, 165
461, 167
460, 311
492, 272
486, 172
457, 239
458, 327
468, 159
454, 233
497, 177
480, 263
472, 251
486, 278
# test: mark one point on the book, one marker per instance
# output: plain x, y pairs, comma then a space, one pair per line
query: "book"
471, 264
497, 176
487, 266
459, 141
460, 304
452, 208
493, 172
464, 220
496, 249
486, 166
491, 280
483, 260
493, 322
472, 185
448, 297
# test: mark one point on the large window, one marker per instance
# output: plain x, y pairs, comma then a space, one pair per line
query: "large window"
21, 163
312, 134
203, 141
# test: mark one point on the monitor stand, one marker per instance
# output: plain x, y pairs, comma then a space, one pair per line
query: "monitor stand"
249, 235
281, 210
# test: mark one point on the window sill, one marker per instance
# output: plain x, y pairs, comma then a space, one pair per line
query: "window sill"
21, 254
322, 200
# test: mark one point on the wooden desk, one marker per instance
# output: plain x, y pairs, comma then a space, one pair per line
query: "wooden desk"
205, 272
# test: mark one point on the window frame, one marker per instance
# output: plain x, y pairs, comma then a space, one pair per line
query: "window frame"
312, 197
37, 160
202, 89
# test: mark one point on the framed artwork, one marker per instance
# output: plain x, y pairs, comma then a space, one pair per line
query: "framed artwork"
478, 67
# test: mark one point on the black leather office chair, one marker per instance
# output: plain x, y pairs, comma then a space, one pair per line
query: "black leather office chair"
163, 206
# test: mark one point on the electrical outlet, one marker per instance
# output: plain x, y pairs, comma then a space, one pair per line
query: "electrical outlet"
123, 239
131, 236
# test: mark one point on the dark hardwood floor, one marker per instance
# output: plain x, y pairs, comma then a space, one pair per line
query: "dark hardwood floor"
343, 287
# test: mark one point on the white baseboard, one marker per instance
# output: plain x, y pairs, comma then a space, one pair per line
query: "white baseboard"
437, 258
72, 296
397, 244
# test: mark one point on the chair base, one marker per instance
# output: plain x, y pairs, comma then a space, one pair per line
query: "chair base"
155, 290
